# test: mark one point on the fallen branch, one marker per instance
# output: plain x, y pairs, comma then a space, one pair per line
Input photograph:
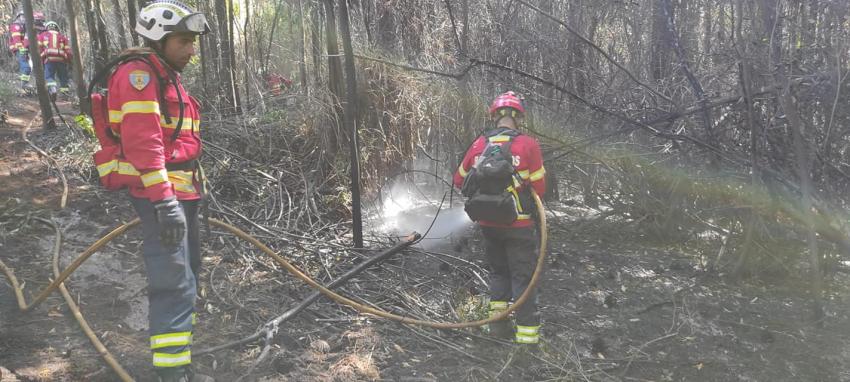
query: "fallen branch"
64, 200
269, 330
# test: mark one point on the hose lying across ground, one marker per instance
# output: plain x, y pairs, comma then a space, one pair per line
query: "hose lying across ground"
61, 277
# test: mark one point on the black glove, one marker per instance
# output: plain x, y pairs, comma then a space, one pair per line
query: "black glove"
172, 222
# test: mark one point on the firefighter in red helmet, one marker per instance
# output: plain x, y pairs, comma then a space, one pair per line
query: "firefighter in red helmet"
56, 55
497, 175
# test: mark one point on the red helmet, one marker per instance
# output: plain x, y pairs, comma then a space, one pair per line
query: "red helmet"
507, 100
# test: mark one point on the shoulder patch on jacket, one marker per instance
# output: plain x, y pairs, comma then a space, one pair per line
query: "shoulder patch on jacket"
139, 79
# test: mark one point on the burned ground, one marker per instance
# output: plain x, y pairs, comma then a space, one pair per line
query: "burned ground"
616, 306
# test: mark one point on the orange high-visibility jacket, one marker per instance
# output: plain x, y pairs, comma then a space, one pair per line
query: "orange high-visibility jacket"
16, 38
527, 161
54, 46
146, 136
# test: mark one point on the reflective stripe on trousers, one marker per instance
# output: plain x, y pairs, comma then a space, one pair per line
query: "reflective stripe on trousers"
171, 286
512, 256
527, 334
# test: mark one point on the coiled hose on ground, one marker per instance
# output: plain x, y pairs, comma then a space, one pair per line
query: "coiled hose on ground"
61, 277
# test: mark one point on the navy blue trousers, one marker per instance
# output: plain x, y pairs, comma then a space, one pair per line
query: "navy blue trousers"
172, 285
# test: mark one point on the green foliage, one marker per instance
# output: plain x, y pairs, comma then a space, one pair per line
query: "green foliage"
272, 116
85, 123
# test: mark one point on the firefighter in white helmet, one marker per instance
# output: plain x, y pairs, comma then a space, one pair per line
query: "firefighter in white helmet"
157, 127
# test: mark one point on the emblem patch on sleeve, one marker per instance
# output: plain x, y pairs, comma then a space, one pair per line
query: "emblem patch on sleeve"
139, 79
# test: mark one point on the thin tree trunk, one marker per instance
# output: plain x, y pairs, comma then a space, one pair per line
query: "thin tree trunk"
226, 77
271, 36
673, 38
659, 53
745, 78
316, 43
231, 39
119, 24
335, 79
101, 33
302, 65
132, 10
77, 60
93, 41
350, 120
38, 70
245, 46
802, 153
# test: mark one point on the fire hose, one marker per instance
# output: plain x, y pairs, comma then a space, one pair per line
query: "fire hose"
58, 283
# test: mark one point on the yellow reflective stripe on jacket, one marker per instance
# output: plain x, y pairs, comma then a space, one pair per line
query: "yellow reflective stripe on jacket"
196, 124
172, 360
171, 339
498, 305
126, 168
537, 175
463, 173
499, 138
523, 174
106, 168
182, 181
155, 177
123, 168
141, 107
115, 116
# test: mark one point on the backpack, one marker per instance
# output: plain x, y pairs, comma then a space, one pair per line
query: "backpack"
489, 186
113, 170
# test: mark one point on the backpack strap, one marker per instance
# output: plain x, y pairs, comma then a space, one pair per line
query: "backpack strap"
163, 82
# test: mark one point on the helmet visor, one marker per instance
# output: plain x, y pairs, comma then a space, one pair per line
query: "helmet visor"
194, 23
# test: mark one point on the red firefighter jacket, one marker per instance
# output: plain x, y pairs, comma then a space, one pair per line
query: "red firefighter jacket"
16, 39
146, 136
528, 163
54, 46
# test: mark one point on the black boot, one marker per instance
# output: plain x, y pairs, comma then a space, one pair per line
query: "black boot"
503, 329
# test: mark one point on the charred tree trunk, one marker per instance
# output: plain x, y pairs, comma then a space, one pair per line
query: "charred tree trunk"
675, 43
231, 40
94, 42
132, 10
386, 28
745, 78
350, 119
302, 42
335, 79
802, 153
103, 43
316, 43
659, 53
247, 51
77, 60
38, 70
226, 75
119, 24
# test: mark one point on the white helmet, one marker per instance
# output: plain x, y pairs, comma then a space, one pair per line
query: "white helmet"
161, 17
